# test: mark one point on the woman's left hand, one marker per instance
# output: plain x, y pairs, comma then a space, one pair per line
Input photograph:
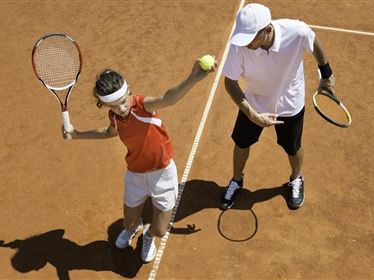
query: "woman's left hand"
198, 73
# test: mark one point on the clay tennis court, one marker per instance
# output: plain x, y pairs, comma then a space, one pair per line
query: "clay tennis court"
61, 201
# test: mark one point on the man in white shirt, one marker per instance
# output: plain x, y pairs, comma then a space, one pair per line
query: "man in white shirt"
268, 55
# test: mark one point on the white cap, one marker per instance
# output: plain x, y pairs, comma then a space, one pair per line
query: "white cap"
250, 19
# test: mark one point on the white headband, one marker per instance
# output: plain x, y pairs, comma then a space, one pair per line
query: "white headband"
115, 95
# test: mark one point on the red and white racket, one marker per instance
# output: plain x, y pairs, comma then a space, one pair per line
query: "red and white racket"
57, 63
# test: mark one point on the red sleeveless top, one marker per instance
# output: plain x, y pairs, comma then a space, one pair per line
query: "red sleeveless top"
149, 147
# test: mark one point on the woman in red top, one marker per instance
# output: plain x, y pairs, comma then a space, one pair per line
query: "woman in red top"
150, 168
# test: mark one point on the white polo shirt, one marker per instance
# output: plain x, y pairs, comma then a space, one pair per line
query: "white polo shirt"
275, 79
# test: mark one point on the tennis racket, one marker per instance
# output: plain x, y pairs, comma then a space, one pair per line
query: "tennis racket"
57, 63
331, 108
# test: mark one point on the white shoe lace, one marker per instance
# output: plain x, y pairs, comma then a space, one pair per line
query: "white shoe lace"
148, 241
296, 186
233, 186
127, 235
147, 246
124, 239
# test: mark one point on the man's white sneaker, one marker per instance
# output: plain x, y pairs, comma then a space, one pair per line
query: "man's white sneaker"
149, 248
125, 237
297, 197
231, 192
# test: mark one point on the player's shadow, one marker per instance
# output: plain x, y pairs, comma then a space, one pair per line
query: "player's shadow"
51, 247
199, 194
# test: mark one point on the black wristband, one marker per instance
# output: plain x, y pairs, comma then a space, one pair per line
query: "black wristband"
325, 70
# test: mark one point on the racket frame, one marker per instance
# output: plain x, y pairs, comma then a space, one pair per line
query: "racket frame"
326, 92
64, 105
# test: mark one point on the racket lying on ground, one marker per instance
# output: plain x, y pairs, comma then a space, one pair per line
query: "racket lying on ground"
57, 63
331, 108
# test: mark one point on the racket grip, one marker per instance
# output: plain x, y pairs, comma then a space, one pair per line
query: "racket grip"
66, 121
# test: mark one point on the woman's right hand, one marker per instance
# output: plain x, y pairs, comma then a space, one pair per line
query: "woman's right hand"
68, 135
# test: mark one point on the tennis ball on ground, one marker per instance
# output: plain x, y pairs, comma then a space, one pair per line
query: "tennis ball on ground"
206, 62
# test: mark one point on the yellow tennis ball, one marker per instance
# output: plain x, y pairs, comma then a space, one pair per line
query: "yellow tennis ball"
206, 62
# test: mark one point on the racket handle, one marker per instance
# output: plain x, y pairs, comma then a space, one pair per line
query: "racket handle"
67, 125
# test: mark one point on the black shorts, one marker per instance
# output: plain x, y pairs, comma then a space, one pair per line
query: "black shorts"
246, 133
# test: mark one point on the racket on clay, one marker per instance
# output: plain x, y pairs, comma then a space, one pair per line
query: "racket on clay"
57, 63
329, 107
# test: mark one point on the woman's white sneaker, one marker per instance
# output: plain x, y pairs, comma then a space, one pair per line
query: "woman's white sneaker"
149, 250
125, 237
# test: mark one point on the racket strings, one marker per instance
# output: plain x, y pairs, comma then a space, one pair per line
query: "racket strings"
57, 61
331, 109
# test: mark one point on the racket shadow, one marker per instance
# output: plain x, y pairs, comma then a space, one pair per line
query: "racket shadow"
51, 247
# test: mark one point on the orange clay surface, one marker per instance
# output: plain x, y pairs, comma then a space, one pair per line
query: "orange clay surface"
61, 201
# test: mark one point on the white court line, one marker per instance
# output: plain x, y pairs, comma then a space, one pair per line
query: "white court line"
342, 30
157, 261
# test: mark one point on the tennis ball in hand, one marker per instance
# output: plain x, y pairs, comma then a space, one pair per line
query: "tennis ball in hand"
206, 62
